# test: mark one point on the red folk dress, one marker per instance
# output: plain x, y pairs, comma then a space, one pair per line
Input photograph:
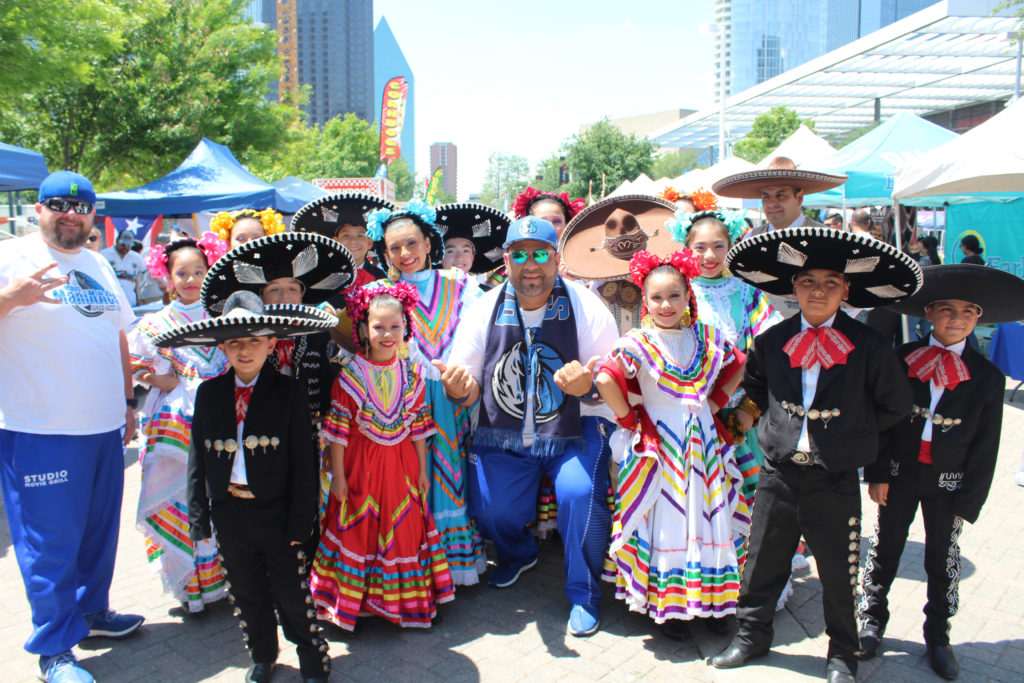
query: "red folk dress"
379, 553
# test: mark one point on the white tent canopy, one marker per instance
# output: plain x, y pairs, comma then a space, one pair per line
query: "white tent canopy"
806, 149
986, 162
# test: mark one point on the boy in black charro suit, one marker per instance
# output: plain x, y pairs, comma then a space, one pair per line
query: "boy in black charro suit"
942, 457
253, 472
826, 386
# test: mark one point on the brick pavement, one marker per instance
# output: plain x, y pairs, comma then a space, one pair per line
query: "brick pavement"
519, 633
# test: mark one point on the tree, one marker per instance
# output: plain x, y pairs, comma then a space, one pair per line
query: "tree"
507, 175
185, 70
673, 162
549, 174
768, 132
402, 176
606, 154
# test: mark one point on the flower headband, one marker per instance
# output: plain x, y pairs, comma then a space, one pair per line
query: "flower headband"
684, 260
521, 207
682, 223
417, 209
212, 246
704, 200
358, 303
225, 220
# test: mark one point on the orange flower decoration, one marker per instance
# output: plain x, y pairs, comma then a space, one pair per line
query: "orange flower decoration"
704, 200
670, 194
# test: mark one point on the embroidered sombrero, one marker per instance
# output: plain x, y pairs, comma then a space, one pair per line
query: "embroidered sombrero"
878, 272
320, 263
246, 316
326, 215
999, 294
480, 224
598, 243
748, 184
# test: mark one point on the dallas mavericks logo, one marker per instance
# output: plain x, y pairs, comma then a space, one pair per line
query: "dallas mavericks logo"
509, 380
86, 295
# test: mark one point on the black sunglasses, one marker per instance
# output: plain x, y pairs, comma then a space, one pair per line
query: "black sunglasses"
59, 205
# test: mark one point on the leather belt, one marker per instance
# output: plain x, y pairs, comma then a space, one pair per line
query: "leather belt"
240, 491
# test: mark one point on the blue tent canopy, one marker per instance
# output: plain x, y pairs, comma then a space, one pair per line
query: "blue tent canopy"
871, 160
210, 179
298, 188
20, 168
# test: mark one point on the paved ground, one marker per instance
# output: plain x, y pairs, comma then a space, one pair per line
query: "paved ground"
519, 633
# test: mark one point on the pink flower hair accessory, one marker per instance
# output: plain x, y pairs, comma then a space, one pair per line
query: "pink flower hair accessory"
156, 262
684, 260
358, 303
525, 200
212, 246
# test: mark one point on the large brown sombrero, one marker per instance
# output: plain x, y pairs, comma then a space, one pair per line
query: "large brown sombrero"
748, 184
601, 239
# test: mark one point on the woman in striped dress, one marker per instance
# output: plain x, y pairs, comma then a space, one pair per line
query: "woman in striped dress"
189, 571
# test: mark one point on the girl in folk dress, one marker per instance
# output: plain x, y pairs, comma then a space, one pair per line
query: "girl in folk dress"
190, 571
680, 507
379, 553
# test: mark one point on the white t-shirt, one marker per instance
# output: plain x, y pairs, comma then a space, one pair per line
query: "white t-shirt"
595, 330
127, 269
62, 372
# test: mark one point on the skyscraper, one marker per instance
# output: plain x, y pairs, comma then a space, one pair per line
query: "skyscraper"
335, 57
445, 155
766, 37
388, 62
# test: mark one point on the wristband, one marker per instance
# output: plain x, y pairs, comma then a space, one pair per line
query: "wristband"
132, 402
460, 401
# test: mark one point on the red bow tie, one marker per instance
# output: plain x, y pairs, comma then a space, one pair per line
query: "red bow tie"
825, 345
285, 349
242, 396
942, 366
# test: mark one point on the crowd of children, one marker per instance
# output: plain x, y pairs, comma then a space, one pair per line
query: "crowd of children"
740, 432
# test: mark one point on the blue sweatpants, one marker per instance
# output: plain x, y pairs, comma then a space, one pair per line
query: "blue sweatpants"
503, 499
63, 499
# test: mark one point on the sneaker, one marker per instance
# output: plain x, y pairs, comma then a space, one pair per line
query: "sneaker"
63, 668
110, 624
584, 621
504, 575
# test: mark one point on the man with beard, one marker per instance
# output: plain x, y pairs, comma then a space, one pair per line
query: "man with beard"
128, 264
63, 403
528, 349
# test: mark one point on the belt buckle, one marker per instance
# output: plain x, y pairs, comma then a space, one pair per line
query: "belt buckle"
801, 458
240, 492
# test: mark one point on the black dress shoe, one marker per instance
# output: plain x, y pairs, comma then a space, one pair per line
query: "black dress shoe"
674, 629
837, 676
869, 642
735, 656
259, 672
943, 661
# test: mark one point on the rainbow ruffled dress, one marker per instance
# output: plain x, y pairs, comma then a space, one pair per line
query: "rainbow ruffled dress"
740, 312
680, 509
189, 571
443, 296
379, 552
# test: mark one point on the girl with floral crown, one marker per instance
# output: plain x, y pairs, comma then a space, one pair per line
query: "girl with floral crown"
679, 511
190, 571
411, 246
238, 227
379, 553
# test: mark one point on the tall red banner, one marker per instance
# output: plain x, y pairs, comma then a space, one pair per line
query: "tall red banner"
392, 116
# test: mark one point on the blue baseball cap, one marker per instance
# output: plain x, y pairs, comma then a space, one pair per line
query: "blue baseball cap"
67, 185
531, 228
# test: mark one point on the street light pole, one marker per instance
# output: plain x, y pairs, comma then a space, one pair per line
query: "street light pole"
721, 91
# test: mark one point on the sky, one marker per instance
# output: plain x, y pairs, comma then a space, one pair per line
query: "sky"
522, 77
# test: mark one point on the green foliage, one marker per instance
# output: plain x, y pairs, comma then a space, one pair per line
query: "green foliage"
768, 132
605, 153
445, 197
507, 175
55, 42
403, 178
548, 174
856, 134
672, 163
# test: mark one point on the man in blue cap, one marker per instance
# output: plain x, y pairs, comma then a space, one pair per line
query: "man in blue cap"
65, 394
527, 350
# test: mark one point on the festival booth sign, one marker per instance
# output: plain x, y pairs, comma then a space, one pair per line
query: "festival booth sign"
392, 118
210, 179
378, 187
871, 161
979, 179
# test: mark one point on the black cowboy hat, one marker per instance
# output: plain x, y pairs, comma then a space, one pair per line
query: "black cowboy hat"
326, 215
878, 273
482, 225
999, 294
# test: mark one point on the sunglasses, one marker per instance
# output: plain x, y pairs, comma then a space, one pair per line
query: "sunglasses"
58, 205
540, 256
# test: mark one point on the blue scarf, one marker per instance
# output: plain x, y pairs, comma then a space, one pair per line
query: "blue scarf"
522, 408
